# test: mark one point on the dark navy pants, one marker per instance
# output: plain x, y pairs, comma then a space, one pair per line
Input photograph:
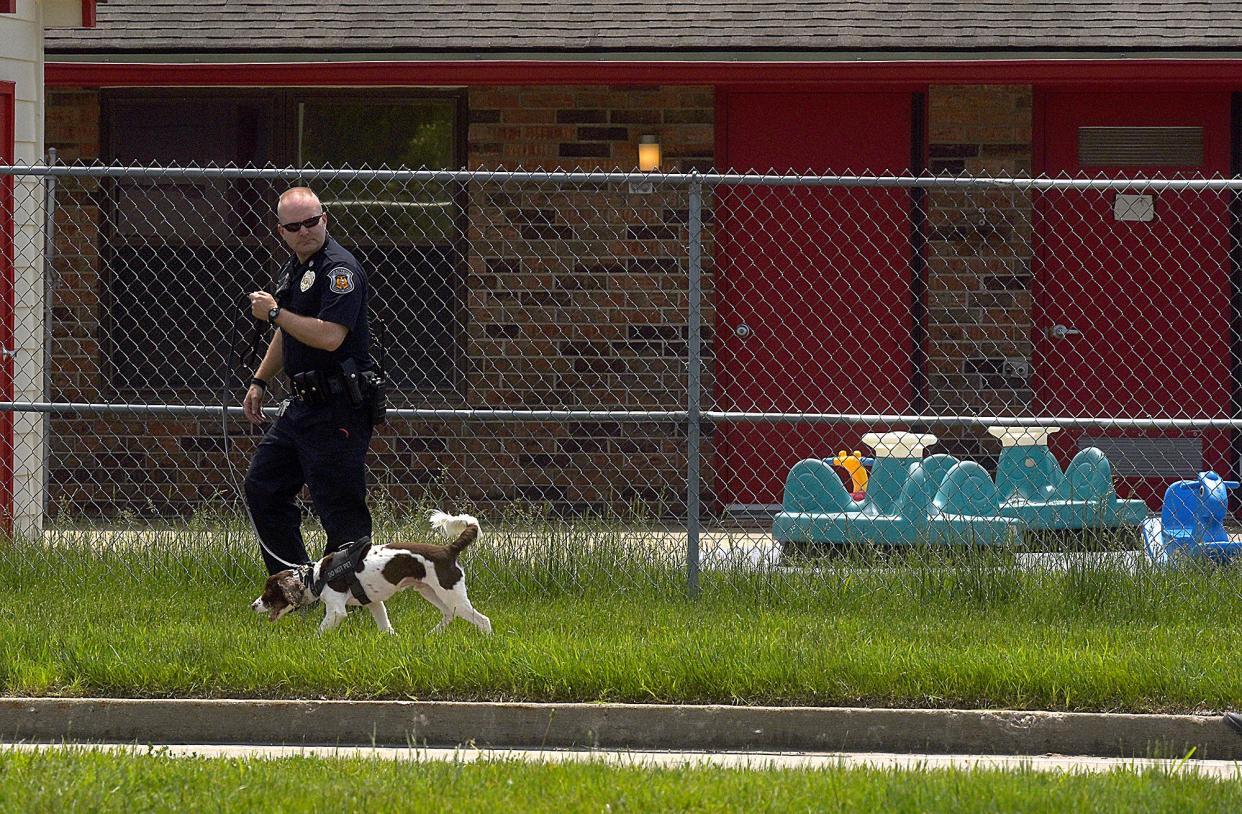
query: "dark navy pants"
323, 448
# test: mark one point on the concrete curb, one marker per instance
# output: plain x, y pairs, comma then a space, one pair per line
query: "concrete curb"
616, 726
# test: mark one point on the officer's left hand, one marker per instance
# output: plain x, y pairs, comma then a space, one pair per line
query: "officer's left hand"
260, 303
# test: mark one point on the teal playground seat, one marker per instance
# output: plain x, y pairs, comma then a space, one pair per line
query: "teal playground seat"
909, 500
1033, 488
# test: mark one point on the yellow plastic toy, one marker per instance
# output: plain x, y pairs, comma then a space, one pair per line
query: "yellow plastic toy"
853, 464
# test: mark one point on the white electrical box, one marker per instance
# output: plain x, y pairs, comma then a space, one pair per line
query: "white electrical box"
1141, 208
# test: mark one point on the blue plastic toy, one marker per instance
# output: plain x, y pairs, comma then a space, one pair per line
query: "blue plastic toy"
1192, 521
909, 500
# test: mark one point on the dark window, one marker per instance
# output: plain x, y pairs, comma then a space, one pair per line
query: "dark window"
414, 315
180, 254
172, 321
404, 234
383, 134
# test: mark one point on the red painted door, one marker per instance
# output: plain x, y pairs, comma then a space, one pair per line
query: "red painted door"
7, 262
813, 308
1139, 285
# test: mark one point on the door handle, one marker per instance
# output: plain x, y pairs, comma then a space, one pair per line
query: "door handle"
742, 331
1059, 331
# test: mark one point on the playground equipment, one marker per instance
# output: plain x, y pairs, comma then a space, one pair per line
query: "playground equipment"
909, 500
856, 465
1033, 488
1192, 522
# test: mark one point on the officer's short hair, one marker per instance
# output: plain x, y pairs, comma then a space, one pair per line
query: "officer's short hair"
297, 192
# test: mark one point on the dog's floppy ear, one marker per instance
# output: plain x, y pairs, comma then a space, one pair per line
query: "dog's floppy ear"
291, 590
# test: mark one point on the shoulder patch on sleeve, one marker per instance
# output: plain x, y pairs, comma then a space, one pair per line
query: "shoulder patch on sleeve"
342, 280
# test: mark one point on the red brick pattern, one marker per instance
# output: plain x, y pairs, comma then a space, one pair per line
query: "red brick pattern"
578, 296
979, 257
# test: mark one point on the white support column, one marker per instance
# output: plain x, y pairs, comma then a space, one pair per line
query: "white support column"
21, 62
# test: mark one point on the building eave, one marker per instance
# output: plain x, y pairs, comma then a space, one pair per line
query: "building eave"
352, 69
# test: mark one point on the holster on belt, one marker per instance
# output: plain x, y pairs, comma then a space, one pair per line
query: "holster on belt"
353, 382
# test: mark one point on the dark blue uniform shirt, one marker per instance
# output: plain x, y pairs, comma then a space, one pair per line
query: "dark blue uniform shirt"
330, 286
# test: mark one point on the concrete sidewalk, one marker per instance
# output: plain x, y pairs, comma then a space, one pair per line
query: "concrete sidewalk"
616, 726
756, 761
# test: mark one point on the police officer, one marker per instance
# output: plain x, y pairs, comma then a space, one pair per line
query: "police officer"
321, 340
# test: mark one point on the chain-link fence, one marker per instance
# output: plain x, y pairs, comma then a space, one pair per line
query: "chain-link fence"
645, 368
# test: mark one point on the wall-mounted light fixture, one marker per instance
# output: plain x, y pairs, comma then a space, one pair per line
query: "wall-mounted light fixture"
648, 153
648, 161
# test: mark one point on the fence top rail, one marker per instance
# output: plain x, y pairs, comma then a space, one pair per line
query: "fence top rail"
1038, 183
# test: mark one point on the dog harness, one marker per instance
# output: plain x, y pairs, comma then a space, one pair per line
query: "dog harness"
346, 562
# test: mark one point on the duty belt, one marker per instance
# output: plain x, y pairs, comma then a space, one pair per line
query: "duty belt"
314, 387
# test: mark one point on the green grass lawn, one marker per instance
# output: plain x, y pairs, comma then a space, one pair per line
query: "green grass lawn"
969, 631
76, 780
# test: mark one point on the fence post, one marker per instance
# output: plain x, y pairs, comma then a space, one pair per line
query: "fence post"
694, 365
49, 291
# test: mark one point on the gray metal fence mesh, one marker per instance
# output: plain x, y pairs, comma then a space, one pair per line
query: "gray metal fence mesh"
630, 366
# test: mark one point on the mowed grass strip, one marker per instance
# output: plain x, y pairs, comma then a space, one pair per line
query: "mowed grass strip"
972, 631
82, 780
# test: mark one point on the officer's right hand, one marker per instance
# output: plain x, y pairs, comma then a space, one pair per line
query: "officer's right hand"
252, 405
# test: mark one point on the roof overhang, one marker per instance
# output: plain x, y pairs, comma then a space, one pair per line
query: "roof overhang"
350, 70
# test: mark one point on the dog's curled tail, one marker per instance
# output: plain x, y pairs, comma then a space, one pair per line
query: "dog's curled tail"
462, 529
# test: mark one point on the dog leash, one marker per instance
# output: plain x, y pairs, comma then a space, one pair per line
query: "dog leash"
248, 359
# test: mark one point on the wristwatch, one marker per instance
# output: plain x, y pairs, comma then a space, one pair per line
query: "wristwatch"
272, 314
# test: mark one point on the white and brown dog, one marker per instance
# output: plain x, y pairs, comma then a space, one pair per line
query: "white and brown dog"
368, 575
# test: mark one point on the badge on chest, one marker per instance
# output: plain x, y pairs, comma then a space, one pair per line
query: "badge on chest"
308, 280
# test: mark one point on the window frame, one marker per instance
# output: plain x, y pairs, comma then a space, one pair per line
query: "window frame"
282, 106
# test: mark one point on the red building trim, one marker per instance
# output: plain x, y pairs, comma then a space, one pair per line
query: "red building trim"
8, 153
8, 6
1076, 71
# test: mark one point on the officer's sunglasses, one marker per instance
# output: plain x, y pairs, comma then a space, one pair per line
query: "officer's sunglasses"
296, 226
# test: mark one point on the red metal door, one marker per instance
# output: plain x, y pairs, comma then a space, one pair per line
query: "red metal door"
7, 261
813, 308
1141, 297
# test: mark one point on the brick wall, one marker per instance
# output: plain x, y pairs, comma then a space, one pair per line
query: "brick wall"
979, 259
578, 296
